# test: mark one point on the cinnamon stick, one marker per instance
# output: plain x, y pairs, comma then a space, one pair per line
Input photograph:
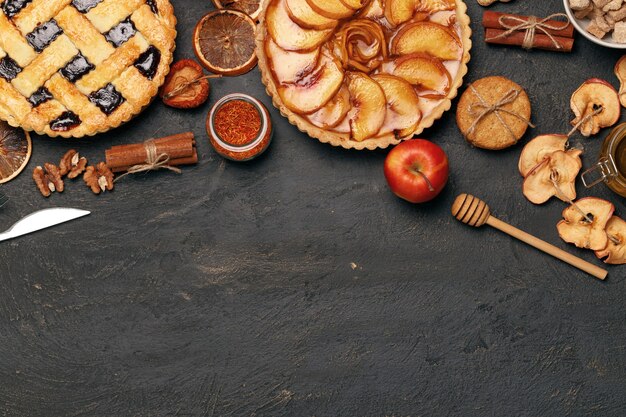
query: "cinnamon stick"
175, 146
491, 20
541, 41
190, 160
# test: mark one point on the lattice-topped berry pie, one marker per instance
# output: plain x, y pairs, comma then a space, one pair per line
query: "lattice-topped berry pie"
81, 67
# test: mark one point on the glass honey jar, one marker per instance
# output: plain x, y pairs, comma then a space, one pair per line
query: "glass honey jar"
611, 166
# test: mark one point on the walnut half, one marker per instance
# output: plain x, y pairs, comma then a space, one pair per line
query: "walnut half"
72, 164
98, 178
48, 179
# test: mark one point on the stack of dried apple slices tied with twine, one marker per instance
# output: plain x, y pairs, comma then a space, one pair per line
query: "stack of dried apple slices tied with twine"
550, 170
363, 73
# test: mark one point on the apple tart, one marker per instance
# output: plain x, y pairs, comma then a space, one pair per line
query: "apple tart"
363, 73
81, 67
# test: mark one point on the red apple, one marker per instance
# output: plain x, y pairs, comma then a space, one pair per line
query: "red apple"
416, 170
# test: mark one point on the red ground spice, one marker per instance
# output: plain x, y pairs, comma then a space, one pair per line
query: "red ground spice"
237, 122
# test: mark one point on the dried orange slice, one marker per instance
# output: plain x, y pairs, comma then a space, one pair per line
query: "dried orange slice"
15, 151
250, 7
224, 42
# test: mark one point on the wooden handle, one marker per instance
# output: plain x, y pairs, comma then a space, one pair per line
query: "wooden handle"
583, 265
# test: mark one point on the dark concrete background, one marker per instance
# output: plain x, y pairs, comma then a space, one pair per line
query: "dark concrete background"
298, 285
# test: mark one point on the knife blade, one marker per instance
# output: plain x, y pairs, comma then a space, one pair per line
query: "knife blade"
42, 219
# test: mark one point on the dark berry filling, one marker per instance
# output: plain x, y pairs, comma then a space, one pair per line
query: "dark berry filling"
40, 96
66, 121
13, 7
153, 6
107, 99
148, 62
44, 35
76, 68
9, 68
121, 33
84, 6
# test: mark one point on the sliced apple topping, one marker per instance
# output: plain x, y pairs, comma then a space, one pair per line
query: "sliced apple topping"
584, 223
333, 9
289, 66
334, 111
373, 10
555, 175
596, 105
424, 72
368, 100
537, 149
316, 89
620, 73
399, 11
279, 23
354, 4
360, 43
427, 37
403, 115
615, 250
301, 13
432, 6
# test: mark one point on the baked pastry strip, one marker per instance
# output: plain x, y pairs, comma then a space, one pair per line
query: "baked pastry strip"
49, 61
133, 85
148, 24
109, 13
14, 43
38, 12
91, 43
113, 66
67, 93
18, 107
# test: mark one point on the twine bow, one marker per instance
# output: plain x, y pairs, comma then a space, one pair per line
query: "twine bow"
153, 162
483, 109
531, 26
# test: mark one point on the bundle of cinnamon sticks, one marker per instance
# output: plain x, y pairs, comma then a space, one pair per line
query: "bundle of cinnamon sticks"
178, 149
529, 32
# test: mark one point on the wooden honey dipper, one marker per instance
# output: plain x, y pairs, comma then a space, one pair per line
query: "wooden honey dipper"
475, 212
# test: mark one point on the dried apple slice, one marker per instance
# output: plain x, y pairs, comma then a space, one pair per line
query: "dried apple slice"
403, 115
584, 223
399, 11
368, 101
334, 111
427, 37
620, 73
300, 12
555, 175
333, 9
596, 105
537, 149
289, 66
425, 72
615, 250
315, 90
299, 39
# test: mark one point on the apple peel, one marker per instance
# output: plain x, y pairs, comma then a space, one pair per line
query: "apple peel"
555, 175
620, 73
615, 250
584, 223
596, 105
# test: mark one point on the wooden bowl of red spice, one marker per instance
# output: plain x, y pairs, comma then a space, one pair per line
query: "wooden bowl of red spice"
239, 127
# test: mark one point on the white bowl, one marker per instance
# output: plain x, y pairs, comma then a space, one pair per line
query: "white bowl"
581, 27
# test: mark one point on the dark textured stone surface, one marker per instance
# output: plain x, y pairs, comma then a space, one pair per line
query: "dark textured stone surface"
298, 285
